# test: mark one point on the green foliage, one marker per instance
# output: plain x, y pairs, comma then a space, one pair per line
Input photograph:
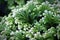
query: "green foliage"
50, 1
30, 12
19, 2
50, 19
58, 31
32, 21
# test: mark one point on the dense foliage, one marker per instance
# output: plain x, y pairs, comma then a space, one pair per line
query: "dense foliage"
35, 20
